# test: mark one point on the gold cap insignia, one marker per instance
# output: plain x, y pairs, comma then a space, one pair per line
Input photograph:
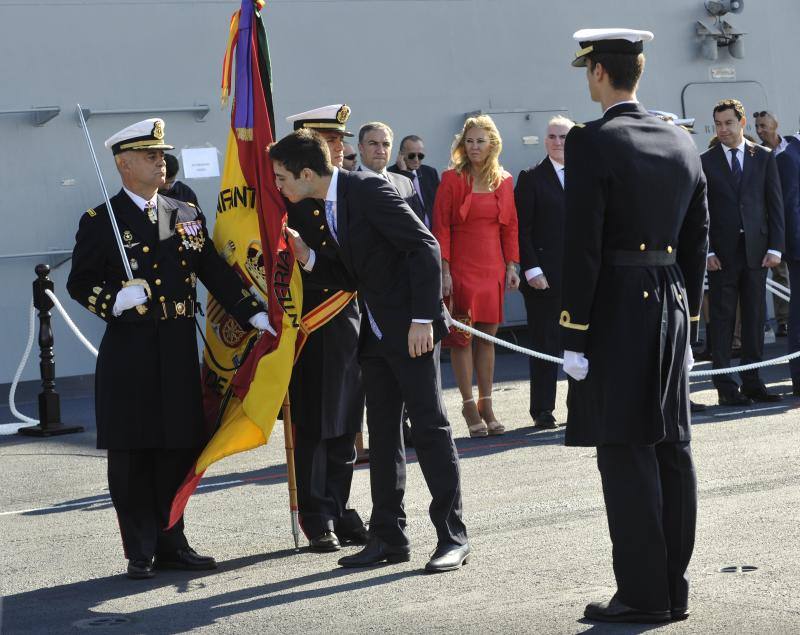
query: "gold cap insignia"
158, 129
344, 114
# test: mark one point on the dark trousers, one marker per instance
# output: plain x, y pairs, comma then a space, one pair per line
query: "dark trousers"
650, 493
736, 282
543, 311
794, 319
389, 381
142, 484
324, 475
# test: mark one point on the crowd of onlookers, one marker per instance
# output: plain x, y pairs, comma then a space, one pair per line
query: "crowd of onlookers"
495, 235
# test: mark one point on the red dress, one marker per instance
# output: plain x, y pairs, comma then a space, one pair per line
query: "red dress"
477, 233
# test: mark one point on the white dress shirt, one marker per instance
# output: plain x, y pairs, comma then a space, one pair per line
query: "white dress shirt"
139, 201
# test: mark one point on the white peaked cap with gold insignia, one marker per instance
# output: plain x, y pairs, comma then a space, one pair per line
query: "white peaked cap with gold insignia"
142, 135
611, 40
333, 117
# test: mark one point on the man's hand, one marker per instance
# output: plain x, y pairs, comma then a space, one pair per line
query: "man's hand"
539, 282
689, 358
401, 162
770, 260
576, 365
420, 339
129, 297
713, 264
447, 284
512, 279
260, 321
300, 249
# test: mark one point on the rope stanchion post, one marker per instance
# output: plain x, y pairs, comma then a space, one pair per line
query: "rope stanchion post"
49, 401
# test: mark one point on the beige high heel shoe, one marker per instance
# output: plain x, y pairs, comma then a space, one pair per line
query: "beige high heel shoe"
493, 426
475, 425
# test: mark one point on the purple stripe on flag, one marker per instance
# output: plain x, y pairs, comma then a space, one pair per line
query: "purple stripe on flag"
243, 100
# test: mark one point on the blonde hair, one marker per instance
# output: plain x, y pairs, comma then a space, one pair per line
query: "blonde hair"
491, 172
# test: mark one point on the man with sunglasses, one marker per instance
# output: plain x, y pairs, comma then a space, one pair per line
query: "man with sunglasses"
424, 177
350, 161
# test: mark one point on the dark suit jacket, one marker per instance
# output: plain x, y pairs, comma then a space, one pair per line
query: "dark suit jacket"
789, 170
756, 206
387, 254
428, 182
539, 198
406, 190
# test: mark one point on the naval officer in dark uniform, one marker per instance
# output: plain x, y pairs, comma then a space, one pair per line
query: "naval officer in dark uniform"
147, 381
326, 393
636, 238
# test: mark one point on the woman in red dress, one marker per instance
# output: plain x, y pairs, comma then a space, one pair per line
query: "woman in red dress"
475, 222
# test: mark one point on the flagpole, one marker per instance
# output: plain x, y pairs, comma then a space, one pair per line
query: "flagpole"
288, 437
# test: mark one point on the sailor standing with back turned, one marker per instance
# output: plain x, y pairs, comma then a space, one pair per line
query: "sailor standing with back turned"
636, 238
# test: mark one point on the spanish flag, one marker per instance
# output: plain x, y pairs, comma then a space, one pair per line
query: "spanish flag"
246, 376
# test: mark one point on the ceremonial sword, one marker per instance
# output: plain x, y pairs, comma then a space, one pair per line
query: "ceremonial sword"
141, 308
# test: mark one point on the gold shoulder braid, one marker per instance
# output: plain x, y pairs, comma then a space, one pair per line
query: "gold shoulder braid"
191, 233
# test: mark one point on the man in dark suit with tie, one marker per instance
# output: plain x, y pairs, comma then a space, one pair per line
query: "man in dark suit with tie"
539, 198
787, 157
375, 147
424, 177
387, 254
635, 253
747, 238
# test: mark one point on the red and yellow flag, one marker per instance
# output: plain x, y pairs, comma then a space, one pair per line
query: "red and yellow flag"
244, 392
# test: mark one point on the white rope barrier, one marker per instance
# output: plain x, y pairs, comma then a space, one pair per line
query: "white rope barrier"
31, 328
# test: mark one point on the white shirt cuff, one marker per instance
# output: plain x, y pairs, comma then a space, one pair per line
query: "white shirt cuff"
530, 274
312, 258
418, 321
774, 252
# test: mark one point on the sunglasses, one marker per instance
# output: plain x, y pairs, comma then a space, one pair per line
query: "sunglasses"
350, 157
413, 156
762, 113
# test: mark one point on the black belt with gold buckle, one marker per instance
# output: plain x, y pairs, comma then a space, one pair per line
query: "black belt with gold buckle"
173, 309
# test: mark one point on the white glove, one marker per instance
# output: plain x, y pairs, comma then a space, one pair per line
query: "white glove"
689, 358
576, 365
129, 297
260, 321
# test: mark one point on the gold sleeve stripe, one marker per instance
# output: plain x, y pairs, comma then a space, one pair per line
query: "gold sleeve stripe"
695, 318
566, 321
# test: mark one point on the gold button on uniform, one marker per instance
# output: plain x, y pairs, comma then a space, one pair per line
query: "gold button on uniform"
155, 265
645, 295
146, 249
187, 280
180, 248
316, 212
161, 298
158, 281
642, 247
669, 249
324, 242
183, 263
322, 227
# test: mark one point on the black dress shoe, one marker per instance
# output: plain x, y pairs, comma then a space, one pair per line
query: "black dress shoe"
186, 559
376, 552
615, 611
761, 395
356, 536
679, 614
140, 569
697, 407
326, 542
733, 398
545, 421
448, 558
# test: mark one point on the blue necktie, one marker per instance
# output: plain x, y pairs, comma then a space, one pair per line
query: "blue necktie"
331, 218
736, 169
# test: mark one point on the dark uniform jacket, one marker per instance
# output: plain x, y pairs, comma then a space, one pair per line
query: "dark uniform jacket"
635, 202
387, 254
147, 382
326, 393
755, 206
789, 170
539, 199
